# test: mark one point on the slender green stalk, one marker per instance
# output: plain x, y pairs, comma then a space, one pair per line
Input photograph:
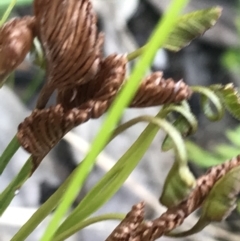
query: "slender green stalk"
7, 12
4, 3
88, 222
11, 80
9, 193
33, 86
122, 100
135, 54
8, 153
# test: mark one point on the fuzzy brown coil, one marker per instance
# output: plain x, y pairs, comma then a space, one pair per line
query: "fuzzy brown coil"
72, 46
173, 217
16, 38
155, 90
43, 129
102, 88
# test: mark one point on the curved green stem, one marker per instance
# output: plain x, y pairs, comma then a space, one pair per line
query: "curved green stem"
8, 153
206, 95
88, 222
187, 114
177, 140
134, 121
186, 123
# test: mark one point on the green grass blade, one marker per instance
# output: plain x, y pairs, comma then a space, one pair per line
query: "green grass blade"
8, 194
5, 3
122, 100
8, 153
233, 136
88, 222
201, 157
226, 151
8, 11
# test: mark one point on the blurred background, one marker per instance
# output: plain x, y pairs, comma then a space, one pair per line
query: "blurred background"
213, 58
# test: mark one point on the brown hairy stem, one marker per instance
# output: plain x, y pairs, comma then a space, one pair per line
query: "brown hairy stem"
129, 223
174, 216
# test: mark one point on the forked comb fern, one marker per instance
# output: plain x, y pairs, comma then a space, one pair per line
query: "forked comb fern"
89, 84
